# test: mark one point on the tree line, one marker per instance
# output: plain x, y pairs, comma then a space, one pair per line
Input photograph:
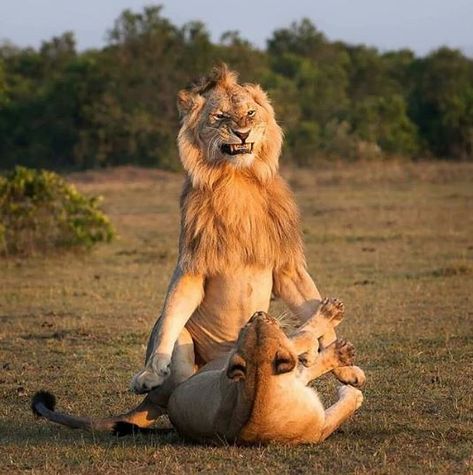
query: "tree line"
65, 109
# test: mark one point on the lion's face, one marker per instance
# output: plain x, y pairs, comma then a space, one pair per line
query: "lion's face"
226, 124
233, 126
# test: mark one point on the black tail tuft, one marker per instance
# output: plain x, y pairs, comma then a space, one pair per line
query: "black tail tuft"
46, 399
122, 428
125, 428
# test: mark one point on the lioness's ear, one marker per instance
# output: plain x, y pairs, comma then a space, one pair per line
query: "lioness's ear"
236, 369
284, 362
186, 101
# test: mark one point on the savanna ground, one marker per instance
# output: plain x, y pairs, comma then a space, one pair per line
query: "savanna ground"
394, 241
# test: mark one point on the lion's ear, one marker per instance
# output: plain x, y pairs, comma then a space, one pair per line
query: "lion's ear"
259, 96
187, 101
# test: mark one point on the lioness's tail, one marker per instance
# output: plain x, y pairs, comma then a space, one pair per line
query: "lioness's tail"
43, 404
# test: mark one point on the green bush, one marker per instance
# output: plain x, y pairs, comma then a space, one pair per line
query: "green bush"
40, 212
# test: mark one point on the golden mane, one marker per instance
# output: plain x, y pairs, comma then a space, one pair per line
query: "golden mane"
239, 223
234, 216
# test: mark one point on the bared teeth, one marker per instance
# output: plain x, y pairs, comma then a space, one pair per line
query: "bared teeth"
237, 149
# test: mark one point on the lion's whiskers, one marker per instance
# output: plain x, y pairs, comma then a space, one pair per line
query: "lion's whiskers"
210, 146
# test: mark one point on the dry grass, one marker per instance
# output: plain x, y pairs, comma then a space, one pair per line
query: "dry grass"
394, 241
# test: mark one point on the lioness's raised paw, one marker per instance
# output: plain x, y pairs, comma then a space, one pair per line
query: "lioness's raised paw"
352, 375
153, 375
345, 352
332, 309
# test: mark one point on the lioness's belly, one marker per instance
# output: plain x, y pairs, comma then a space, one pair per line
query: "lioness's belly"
229, 302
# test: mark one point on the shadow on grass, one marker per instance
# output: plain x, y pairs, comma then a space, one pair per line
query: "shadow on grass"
41, 432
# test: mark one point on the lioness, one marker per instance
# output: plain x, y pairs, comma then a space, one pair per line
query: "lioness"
260, 393
240, 239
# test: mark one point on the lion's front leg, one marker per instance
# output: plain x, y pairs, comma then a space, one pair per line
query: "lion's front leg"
155, 403
185, 293
298, 291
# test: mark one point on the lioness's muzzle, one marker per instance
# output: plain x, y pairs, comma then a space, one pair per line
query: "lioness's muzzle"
263, 317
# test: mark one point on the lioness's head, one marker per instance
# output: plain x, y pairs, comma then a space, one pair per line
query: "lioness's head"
262, 351
225, 126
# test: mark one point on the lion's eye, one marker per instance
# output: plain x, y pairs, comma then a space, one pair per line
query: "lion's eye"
251, 113
219, 116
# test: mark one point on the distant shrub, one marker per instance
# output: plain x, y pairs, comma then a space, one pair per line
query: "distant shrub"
40, 212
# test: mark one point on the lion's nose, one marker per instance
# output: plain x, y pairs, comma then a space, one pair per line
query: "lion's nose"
241, 135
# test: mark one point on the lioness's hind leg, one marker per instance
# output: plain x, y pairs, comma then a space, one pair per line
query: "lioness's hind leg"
350, 399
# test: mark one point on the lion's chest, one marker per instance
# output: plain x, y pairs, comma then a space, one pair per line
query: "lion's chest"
230, 300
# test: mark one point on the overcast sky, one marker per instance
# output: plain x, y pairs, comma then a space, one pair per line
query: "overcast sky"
421, 25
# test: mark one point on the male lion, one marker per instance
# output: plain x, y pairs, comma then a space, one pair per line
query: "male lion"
240, 237
260, 393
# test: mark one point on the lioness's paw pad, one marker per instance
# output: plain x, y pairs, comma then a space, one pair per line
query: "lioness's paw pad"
345, 352
332, 309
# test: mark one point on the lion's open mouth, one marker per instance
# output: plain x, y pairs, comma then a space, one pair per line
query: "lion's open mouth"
236, 149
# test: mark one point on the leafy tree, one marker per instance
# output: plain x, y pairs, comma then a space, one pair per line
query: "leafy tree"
61, 108
441, 102
302, 39
383, 120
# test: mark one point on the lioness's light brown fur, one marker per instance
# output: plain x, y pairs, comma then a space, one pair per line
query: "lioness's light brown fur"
259, 393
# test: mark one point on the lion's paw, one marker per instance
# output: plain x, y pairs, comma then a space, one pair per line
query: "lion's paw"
332, 309
153, 375
345, 352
